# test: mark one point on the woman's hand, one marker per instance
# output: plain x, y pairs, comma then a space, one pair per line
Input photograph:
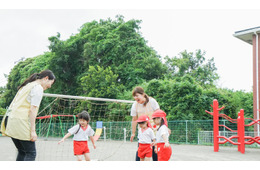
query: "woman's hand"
155, 149
132, 137
33, 136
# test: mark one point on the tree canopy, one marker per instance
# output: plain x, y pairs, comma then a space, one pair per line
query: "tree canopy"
108, 58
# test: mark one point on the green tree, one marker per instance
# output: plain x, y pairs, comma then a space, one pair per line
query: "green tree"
194, 65
100, 82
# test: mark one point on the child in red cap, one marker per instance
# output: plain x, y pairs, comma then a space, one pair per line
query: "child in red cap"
145, 136
163, 147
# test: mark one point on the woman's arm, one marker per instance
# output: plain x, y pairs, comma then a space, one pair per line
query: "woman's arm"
134, 124
32, 118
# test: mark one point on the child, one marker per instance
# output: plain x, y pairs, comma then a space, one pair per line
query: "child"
145, 136
163, 147
81, 132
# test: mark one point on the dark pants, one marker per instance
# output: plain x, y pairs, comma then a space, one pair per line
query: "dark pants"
26, 150
154, 156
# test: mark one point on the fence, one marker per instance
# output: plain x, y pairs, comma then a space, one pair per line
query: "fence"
182, 131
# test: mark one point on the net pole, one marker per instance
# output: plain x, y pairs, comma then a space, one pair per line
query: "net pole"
40, 128
74, 117
61, 127
49, 127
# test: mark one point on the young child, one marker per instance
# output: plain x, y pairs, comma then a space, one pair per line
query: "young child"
81, 132
145, 136
163, 148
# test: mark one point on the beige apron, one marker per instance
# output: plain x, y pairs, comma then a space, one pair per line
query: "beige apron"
18, 123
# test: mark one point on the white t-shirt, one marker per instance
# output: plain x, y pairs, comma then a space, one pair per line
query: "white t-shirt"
152, 102
146, 136
163, 130
35, 96
82, 135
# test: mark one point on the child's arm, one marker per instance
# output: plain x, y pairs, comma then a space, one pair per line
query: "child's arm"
153, 143
155, 148
65, 137
93, 141
165, 140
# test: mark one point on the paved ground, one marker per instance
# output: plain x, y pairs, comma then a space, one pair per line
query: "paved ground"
120, 151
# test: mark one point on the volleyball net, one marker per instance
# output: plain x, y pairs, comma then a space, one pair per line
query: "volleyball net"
110, 119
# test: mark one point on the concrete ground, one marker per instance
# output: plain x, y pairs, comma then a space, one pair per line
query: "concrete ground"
125, 151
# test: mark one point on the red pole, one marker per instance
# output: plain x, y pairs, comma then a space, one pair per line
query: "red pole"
215, 125
241, 131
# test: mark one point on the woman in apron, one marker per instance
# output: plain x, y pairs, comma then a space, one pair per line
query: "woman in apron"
19, 120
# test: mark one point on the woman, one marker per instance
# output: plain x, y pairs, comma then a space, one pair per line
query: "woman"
143, 105
19, 120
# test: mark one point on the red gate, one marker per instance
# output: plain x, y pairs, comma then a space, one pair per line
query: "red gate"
240, 121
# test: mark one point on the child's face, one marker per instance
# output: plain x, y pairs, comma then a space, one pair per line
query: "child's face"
83, 122
157, 120
143, 125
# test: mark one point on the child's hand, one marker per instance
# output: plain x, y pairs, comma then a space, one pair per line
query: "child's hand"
153, 144
166, 145
155, 149
62, 140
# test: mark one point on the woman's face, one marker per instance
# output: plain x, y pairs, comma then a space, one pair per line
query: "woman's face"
139, 98
47, 83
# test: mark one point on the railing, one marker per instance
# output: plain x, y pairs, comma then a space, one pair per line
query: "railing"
240, 122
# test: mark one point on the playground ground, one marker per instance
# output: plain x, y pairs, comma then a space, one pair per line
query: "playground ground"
120, 151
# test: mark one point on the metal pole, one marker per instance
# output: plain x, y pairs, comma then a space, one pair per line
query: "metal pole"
110, 130
186, 132
124, 134
104, 133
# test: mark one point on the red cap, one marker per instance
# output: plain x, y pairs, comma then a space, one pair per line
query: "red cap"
158, 113
162, 114
143, 118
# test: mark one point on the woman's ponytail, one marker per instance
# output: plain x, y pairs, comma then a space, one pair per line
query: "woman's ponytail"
32, 78
35, 76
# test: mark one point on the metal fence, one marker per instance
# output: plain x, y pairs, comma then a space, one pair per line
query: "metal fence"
199, 132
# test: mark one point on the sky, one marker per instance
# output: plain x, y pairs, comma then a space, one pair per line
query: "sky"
25, 32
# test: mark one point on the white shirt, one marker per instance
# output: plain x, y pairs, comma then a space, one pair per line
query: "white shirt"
146, 136
82, 135
152, 102
35, 96
163, 130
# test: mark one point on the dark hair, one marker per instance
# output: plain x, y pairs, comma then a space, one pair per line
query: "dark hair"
40, 75
84, 115
140, 90
162, 123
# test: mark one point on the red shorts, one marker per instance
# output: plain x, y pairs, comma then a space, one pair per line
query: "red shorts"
164, 154
80, 147
145, 150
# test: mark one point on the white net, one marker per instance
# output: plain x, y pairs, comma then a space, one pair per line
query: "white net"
113, 130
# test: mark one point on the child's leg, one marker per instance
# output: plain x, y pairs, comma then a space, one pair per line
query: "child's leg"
87, 157
147, 158
141, 159
79, 157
